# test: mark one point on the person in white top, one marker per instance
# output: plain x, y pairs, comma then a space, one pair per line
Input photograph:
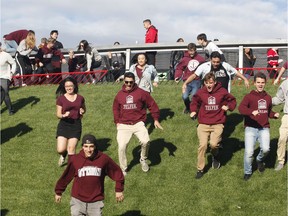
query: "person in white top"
7, 68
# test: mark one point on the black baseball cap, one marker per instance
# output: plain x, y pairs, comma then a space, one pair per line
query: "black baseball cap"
89, 139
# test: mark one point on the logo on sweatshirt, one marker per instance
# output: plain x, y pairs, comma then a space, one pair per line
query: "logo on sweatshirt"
192, 65
262, 106
89, 171
129, 103
211, 104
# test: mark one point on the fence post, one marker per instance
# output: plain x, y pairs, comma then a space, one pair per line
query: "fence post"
240, 60
128, 57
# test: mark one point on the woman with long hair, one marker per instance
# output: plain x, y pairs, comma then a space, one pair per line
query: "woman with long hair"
70, 107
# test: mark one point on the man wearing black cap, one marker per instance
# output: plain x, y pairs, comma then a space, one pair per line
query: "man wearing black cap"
89, 168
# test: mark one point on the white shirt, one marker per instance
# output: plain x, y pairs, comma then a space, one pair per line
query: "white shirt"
7, 65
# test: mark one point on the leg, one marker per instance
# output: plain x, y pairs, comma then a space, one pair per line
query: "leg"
95, 208
264, 140
250, 139
215, 138
78, 208
203, 135
71, 146
10, 46
196, 84
124, 134
283, 139
186, 99
5, 94
141, 133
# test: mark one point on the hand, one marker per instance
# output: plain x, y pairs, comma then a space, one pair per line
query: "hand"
255, 112
63, 61
41, 64
155, 84
177, 80
276, 115
192, 114
225, 107
157, 124
82, 111
246, 81
58, 198
66, 114
276, 81
119, 196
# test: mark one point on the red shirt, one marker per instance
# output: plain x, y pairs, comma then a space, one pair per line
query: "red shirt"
130, 107
151, 35
72, 106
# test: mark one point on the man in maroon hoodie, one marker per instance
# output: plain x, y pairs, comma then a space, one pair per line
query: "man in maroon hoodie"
89, 168
211, 102
129, 109
256, 108
184, 69
151, 36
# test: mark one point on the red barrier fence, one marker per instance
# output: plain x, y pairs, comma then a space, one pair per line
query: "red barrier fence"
100, 76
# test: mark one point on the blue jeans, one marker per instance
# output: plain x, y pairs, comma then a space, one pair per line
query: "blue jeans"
10, 46
251, 136
191, 89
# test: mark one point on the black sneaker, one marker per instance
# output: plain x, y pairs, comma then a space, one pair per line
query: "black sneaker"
247, 177
11, 112
199, 174
261, 166
215, 163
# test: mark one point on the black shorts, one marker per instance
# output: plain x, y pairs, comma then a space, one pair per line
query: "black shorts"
69, 128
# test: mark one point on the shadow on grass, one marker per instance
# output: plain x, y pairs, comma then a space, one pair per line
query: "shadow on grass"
4, 212
103, 144
22, 102
132, 213
156, 147
165, 114
16, 131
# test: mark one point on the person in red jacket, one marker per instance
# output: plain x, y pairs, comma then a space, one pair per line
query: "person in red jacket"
184, 69
129, 109
151, 36
211, 102
89, 168
273, 62
256, 108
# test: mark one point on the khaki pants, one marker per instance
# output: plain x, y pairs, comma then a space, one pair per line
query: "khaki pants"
79, 208
283, 139
212, 133
124, 134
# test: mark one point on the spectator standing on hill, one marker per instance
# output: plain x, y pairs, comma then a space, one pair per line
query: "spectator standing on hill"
70, 108
175, 58
13, 39
89, 168
282, 97
210, 104
222, 70
256, 107
144, 74
184, 69
209, 47
273, 62
151, 36
249, 60
56, 60
117, 64
7, 68
282, 70
129, 109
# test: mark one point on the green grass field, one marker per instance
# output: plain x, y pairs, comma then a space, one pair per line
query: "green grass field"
29, 167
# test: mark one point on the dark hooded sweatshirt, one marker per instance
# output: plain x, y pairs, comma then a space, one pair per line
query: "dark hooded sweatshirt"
89, 175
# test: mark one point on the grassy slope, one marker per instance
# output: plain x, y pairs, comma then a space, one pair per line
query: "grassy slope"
29, 160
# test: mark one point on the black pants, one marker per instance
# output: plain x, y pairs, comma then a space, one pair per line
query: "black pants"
5, 94
151, 58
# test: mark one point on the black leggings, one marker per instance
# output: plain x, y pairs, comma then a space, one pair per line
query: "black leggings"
5, 93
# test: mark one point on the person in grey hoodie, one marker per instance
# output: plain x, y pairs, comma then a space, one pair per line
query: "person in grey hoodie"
282, 97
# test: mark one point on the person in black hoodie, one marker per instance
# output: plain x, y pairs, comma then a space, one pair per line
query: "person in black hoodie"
89, 169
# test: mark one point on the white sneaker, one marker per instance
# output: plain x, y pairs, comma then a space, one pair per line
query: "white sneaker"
144, 165
279, 167
124, 172
61, 160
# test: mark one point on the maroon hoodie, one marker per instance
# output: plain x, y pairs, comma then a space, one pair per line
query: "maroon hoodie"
130, 107
260, 101
17, 36
89, 175
45, 55
151, 35
188, 65
209, 104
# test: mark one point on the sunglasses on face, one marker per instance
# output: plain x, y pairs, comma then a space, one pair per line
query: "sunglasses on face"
129, 82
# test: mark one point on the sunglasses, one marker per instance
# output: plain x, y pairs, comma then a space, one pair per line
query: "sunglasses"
129, 82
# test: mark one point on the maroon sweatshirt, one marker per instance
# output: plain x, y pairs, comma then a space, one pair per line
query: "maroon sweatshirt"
45, 55
89, 175
188, 65
209, 104
130, 107
257, 101
17, 36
